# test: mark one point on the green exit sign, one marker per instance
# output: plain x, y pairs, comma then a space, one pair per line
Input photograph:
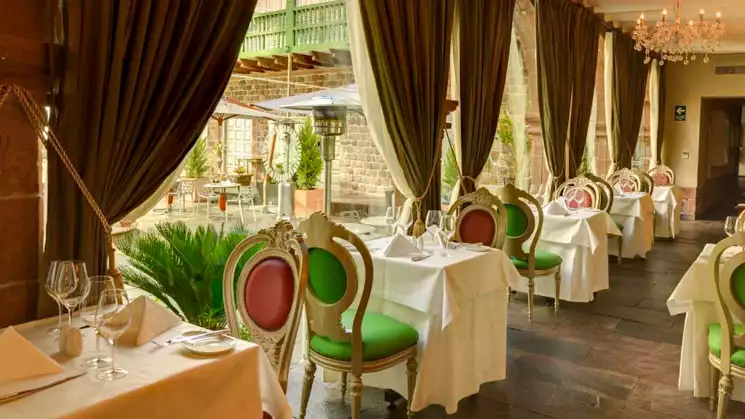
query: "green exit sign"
680, 112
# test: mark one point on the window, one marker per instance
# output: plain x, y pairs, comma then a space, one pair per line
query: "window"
238, 144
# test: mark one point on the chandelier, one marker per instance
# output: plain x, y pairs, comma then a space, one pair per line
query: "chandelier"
675, 41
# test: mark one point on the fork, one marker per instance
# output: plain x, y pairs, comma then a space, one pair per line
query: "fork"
183, 338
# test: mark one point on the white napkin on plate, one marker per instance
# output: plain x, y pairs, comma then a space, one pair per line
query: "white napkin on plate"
20, 359
555, 208
149, 319
400, 246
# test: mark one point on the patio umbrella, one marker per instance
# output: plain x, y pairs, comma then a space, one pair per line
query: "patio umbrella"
348, 93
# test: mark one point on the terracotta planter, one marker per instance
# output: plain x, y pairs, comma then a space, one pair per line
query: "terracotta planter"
170, 197
308, 201
125, 223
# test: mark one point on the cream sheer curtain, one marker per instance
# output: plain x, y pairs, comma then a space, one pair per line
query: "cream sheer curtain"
591, 133
457, 134
363, 75
151, 202
517, 101
654, 111
608, 86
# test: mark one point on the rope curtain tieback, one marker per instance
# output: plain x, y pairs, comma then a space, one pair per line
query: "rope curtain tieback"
419, 227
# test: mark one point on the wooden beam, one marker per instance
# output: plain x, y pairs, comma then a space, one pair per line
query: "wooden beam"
282, 60
270, 64
251, 65
323, 58
304, 60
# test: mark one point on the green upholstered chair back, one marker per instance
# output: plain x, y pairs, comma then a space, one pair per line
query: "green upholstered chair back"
729, 280
333, 283
270, 292
662, 175
523, 224
481, 218
647, 183
606, 192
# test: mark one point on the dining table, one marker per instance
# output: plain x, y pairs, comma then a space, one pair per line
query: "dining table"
634, 213
667, 207
458, 304
695, 296
162, 382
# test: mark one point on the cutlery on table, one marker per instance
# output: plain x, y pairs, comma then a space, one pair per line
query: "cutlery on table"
417, 258
183, 338
15, 396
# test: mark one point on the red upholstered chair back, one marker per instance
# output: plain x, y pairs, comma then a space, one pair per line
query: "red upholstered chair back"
269, 292
662, 175
579, 197
625, 181
481, 218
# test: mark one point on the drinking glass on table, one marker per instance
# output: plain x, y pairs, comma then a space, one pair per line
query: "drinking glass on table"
88, 310
390, 219
405, 220
71, 285
49, 288
433, 222
112, 318
447, 226
730, 226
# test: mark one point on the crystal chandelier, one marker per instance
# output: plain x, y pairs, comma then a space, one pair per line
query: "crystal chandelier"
675, 41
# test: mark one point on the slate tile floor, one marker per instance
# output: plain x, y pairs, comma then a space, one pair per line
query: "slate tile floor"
616, 358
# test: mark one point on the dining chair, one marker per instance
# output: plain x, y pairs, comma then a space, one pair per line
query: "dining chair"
647, 183
269, 292
725, 339
559, 191
178, 193
579, 192
480, 218
208, 195
245, 193
662, 175
521, 228
605, 203
350, 341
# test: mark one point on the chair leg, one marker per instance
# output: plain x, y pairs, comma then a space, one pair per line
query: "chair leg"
620, 250
310, 373
557, 296
725, 391
509, 294
411, 371
343, 385
531, 290
356, 396
714, 384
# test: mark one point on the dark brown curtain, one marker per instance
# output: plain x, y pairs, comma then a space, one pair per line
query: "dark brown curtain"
554, 27
408, 42
585, 43
485, 33
629, 89
137, 82
661, 122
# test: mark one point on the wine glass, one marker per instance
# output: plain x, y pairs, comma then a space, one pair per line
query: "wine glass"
71, 285
50, 289
447, 226
389, 218
432, 222
98, 284
405, 220
730, 226
112, 318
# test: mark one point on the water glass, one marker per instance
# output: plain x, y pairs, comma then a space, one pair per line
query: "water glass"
389, 218
730, 226
71, 285
112, 318
433, 222
447, 226
49, 288
405, 220
88, 309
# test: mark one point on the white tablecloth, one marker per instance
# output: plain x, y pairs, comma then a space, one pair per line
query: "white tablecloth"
695, 296
635, 211
162, 383
459, 306
581, 239
667, 208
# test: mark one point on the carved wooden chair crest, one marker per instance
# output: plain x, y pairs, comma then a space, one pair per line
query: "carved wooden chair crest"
579, 192
662, 175
647, 183
481, 218
605, 192
336, 333
625, 181
270, 291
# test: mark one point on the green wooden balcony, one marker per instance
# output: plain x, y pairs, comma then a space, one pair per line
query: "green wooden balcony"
315, 27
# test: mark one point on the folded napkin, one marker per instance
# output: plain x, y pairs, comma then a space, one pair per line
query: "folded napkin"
555, 208
20, 359
400, 246
149, 319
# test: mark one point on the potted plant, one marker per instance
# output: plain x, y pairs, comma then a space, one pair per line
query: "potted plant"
241, 176
183, 268
196, 166
308, 197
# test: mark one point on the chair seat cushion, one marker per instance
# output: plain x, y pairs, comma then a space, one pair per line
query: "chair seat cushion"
619, 225
715, 343
543, 260
382, 336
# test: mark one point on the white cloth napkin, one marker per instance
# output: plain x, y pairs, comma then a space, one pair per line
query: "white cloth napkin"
149, 319
400, 246
555, 208
20, 359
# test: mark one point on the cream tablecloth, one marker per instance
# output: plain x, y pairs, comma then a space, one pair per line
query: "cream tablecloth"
695, 296
162, 383
635, 211
459, 306
667, 208
581, 239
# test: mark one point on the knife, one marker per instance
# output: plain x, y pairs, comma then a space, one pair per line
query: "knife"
15, 396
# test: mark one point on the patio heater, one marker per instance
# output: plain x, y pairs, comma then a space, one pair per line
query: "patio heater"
329, 121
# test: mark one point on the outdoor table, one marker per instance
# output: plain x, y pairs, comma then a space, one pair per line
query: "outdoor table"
358, 229
163, 382
581, 239
376, 221
667, 200
222, 201
458, 304
635, 212
695, 296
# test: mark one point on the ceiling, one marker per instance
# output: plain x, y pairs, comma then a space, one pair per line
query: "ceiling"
625, 12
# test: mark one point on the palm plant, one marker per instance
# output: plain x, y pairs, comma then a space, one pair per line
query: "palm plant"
183, 268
